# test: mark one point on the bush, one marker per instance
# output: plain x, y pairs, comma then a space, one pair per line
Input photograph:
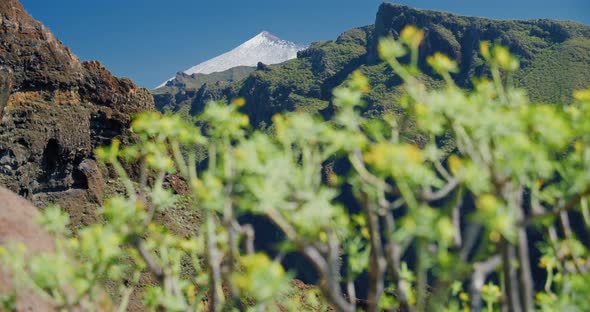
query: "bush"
428, 226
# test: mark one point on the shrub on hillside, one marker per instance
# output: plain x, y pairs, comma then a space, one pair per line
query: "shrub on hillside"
464, 201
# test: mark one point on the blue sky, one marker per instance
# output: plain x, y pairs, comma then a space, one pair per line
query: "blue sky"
149, 40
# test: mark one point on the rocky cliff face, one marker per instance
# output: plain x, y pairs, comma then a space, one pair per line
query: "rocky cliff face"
55, 111
459, 36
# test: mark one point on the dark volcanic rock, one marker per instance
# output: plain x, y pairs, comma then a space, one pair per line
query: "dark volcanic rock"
32, 52
5, 87
58, 110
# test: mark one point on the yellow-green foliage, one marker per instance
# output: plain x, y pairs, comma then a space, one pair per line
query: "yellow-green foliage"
435, 227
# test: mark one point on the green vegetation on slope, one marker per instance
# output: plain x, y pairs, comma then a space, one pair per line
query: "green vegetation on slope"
556, 71
166, 96
195, 81
553, 55
404, 226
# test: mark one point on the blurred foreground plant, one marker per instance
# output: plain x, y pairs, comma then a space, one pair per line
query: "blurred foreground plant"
430, 226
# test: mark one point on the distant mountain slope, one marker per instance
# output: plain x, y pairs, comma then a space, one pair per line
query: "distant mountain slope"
184, 83
264, 47
557, 71
554, 57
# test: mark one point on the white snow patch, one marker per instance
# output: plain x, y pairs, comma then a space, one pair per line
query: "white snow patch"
264, 47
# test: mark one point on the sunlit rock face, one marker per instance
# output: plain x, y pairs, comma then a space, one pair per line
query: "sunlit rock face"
55, 111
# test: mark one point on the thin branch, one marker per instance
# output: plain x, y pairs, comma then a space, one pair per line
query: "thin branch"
481, 270
456, 214
525, 276
377, 262
128, 291
278, 220
421, 274
565, 224
149, 260
393, 256
442, 171
472, 234
179, 158
151, 207
510, 279
351, 292
329, 269
365, 175
248, 231
214, 263
228, 222
398, 203
143, 180
572, 203
428, 195
330, 283
567, 230
538, 209
334, 275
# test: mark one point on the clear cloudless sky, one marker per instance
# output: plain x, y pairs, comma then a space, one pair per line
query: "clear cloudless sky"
150, 40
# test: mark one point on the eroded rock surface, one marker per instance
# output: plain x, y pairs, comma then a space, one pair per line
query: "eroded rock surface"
55, 111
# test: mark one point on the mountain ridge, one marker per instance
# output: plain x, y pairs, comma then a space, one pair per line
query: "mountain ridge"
306, 82
264, 47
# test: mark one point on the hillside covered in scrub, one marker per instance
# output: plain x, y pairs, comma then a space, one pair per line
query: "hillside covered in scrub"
554, 58
426, 162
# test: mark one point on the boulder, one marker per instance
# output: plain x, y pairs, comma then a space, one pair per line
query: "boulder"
17, 225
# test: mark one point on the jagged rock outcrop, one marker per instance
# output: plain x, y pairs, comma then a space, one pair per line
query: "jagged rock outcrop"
38, 59
58, 110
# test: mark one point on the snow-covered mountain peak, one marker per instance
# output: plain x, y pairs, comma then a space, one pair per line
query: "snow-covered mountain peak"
264, 47
268, 36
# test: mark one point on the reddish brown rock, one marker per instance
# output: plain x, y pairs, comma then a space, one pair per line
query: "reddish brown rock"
177, 184
5, 87
17, 225
38, 59
55, 111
